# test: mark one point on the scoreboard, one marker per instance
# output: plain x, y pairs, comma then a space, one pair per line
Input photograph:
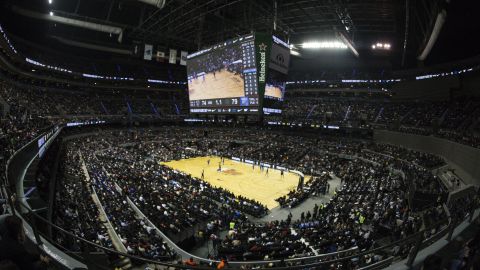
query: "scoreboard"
234, 77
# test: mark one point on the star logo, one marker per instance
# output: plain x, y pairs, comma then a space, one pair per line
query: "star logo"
262, 46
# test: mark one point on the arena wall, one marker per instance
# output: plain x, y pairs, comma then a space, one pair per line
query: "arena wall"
471, 84
464, 159
429, 89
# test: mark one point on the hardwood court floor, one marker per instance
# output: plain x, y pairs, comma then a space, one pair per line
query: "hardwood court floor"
224, 84
239, 178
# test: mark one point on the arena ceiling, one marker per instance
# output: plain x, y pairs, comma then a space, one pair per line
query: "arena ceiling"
193, 24
209, 22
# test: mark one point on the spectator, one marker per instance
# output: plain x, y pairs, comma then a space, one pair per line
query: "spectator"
12, 247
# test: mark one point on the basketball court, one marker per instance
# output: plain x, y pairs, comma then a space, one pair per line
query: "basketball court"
223, 84
239, 178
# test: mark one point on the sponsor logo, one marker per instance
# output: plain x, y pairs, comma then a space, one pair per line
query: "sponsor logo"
262, 47
263, 62
280, 58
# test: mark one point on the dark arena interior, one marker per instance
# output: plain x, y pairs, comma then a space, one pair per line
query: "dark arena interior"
239, 134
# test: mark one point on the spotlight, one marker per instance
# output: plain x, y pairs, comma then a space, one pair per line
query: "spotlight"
51, 13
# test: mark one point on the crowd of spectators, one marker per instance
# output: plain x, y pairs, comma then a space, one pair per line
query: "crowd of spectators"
20, 124
163, 193
422, 159
75, 210
13, 252
371, 202
455, 120
40, 103
317, 185
463, 251
134, 232
27, 111
77, 213
451, 120
463, 206
466, 256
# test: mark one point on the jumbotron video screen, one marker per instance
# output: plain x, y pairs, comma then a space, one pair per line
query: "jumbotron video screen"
234, 76
223, 78
277, 70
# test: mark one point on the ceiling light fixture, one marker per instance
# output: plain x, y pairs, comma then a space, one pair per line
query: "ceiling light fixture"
292, 52
324, 45
381, 46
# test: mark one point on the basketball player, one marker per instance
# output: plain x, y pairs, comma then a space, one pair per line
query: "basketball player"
300, 183
203, 173
281, 173
266, 172
219, 166
208, 162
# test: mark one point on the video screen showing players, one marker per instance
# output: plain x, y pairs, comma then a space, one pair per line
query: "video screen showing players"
274, 92
275, 86
218, 74
222, 79
277, 72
